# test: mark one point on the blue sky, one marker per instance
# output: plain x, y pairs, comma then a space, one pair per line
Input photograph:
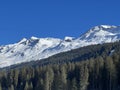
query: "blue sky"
54, 18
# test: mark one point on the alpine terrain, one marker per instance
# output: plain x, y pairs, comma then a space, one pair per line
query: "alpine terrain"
39, 48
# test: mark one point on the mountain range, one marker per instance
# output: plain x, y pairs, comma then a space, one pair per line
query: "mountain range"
39, 48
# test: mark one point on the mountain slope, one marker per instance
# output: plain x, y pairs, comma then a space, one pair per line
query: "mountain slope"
85, 68
39, 48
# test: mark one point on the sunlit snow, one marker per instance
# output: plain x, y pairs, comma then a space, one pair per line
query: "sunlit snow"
39, 48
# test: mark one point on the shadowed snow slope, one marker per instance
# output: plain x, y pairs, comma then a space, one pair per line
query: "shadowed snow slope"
39, 48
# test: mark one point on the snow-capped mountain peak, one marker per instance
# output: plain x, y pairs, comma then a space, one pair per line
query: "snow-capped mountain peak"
67, 38
38, 48
101, 32
33, 38
108, 26
103, 27
23, 40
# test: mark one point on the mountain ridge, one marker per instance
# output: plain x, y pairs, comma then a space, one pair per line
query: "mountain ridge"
39, 48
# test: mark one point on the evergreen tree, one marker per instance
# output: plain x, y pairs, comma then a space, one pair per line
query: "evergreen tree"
31, 86
0, 87
15, 78
74, 84
84, 77
11, 87
26, 86
63, 76
46, 86
111, 73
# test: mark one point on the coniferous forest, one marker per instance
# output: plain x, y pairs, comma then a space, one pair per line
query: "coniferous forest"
95, 67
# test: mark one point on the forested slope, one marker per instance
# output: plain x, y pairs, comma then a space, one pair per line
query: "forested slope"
95, 67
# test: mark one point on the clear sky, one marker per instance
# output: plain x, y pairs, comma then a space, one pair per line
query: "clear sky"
54, 18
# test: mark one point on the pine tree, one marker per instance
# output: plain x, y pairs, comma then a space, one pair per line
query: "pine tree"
51, 77
111, 73
98, 68
0, 87
26, 86
84, 77
15, 77
31, 86
11, 87
63, 76
46, 86
74, 84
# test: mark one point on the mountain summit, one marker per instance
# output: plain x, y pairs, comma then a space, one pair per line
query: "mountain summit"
39, 48
102, 34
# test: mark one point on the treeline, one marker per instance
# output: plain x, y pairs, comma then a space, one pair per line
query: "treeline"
94, 74
101, 71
